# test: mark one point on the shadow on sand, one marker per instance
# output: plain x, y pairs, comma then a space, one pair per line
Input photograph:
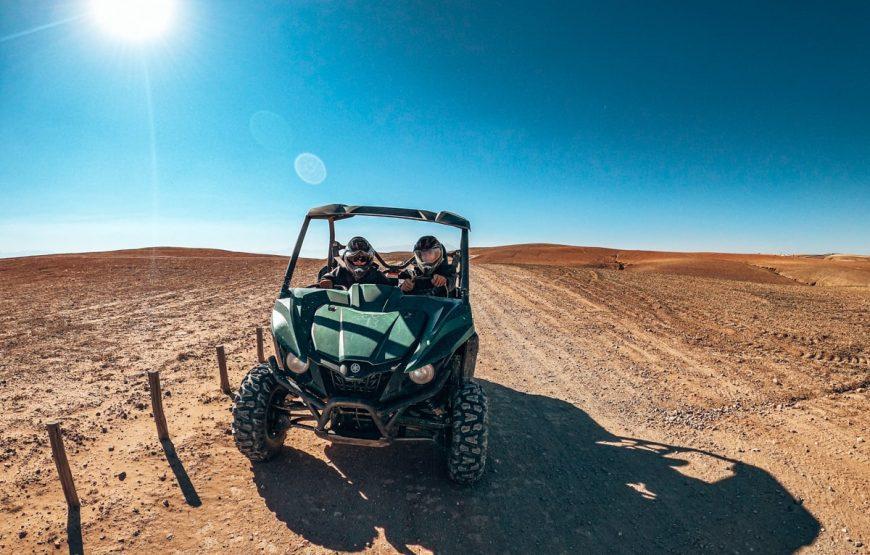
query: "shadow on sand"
74, 531
556, 482
181, 477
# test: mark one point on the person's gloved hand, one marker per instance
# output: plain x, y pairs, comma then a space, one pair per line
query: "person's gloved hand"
407, 285
438, 280
325, 283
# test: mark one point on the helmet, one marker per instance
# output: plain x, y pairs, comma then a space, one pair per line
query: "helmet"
428, 253
358, 257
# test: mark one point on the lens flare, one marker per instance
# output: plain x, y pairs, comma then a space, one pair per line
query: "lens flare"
310, 168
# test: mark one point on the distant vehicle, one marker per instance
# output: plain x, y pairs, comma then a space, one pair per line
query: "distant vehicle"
370, 365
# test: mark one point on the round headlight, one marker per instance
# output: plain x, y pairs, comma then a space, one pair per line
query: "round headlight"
295, 365
422, 375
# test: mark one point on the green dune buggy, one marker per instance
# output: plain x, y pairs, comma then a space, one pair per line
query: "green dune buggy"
370, 365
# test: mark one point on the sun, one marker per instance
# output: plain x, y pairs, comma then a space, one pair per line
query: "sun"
134, 20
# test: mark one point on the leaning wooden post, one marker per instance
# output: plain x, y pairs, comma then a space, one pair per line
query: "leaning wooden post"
60, 460
261, 354
157, 404
222, 368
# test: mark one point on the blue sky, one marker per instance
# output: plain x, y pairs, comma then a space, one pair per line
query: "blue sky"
721, 126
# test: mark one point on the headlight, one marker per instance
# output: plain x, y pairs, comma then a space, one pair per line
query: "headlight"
295, 365
422, 375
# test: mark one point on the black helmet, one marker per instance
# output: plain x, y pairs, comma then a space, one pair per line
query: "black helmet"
358, 257
428, 253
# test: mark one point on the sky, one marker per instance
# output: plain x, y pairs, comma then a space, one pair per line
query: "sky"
690, 126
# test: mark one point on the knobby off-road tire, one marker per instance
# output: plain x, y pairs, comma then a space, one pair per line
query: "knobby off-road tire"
466, 458
253, 418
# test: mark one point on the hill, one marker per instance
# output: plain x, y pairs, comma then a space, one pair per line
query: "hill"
828, 270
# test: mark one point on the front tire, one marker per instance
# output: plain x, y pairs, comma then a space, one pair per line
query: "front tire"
469, 434
256, 424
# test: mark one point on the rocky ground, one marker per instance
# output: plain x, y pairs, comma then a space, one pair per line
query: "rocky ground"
631, 411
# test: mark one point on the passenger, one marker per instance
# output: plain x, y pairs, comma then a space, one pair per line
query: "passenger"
357, 266
431, 272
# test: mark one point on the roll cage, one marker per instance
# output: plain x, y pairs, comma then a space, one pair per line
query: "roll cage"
334, 212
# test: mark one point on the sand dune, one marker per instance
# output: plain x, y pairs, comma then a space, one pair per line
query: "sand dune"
828, 270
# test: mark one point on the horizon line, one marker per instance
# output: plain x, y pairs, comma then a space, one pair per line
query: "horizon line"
36, 253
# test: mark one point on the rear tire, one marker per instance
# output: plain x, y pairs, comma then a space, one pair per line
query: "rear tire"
254, 419
469, 434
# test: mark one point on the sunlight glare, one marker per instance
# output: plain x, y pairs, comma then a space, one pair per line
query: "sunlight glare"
133, 19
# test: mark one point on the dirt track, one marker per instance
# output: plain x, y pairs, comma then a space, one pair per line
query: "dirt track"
630, 412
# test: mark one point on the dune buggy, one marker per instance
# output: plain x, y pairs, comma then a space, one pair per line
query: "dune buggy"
370, 365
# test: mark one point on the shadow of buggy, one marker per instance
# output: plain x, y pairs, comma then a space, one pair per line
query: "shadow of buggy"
556, 482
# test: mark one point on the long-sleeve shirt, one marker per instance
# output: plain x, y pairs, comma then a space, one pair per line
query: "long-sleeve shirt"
342, 276
444, 269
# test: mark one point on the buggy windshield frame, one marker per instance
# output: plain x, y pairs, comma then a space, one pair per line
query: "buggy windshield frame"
334, 212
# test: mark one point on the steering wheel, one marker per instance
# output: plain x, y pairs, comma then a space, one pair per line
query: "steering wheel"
428, 290
334, 286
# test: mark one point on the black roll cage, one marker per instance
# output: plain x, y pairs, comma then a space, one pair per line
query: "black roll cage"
334, 212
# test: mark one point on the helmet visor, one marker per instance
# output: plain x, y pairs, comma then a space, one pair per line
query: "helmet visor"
429, 257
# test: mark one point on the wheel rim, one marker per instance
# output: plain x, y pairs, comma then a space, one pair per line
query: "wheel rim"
274, 414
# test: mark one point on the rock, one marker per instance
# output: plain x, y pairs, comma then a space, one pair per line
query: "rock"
776, 380
859, 439
169, 536
22, 534
111, 448
166, 502
122, 476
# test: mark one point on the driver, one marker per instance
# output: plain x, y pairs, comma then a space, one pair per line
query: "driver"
431, 270
357, 266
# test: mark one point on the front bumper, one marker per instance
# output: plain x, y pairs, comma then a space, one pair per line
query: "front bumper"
384, 415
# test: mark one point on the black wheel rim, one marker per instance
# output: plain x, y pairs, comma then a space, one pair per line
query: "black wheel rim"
274, 413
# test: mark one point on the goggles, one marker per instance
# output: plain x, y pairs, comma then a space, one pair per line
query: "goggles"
358, 258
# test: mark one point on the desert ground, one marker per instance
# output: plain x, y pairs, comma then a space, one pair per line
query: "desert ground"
640, 402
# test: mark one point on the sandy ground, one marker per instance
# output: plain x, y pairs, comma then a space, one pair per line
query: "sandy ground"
631, 412
824, 270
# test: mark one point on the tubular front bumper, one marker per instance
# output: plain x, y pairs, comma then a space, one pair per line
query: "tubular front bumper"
384, 416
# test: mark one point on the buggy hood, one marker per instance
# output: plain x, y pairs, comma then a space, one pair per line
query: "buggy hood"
377, 324
343, 333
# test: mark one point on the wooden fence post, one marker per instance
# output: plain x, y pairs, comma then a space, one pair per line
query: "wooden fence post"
62, 464
261, 354
157, 404
222, 368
